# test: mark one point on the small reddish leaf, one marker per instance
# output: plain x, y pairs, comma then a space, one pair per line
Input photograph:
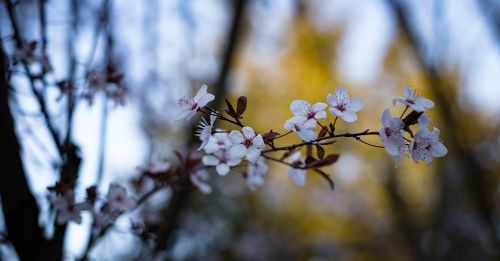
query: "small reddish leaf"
320, 152
230, 109
322, 133
326, 177
310, 160
269, 136
241, 106
328, 160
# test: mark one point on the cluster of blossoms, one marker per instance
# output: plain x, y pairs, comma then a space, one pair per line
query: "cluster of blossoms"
104, 211
228, 149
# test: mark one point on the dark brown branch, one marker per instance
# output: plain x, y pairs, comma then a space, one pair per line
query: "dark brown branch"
19, 206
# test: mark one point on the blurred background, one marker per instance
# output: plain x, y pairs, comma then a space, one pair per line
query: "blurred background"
274, 51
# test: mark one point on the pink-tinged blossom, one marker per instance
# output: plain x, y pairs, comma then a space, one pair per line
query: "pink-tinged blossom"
391, 134
247, 144
343, 105
426, 144
222, 160
304, 111
297, 174
118, 199
415, 102
217, 142
190, 105
199, 179
255, 173
303, 129
154, 167
67, 209
204, 131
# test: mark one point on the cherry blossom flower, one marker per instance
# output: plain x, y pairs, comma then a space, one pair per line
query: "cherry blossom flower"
303, 129
218, 141
204, 131
118, 199
222, 160
304, 111
255, 173
190, 105
298, 175
154, 167
417, 103
67, 209
343, 105
199, 179
247, 144
391, 134
426, 144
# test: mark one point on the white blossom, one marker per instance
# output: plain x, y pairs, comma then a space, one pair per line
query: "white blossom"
304, 111
155, 166
255, 173
298, 175
199, 179
118, 199
343, 105
204, 131
190, 105
218, 141
303, 129
247, 144
426, 144
222, 160
67, 209
391, 134
417, 103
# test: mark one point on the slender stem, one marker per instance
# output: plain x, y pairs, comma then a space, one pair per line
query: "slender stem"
344, 135
282, 135
402, 114
102, 140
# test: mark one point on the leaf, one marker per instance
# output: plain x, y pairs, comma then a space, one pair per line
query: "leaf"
241, 106
269, 136
320, 152
230, 109
310, 160
328, 160
322, 133
326, 177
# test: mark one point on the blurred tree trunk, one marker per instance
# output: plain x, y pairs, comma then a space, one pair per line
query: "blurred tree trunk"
476, 177
19, 206
180, 200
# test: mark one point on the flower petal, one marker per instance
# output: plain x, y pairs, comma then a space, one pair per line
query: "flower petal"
237, 151
320, 106
222, 169
355, 105
210, 160
299, 106
253, 154
298, 176
258, 141
248, 132
235, 137
349, 116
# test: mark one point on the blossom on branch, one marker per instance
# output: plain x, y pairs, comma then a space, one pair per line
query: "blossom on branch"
199, 179
426, 144
304, 111
204, 131
296, 171
343, 105
255, 173
218, 141
190, 105
391, 134
303, 129
118, 199
415, 102
222, 160
247, 144
66, 208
